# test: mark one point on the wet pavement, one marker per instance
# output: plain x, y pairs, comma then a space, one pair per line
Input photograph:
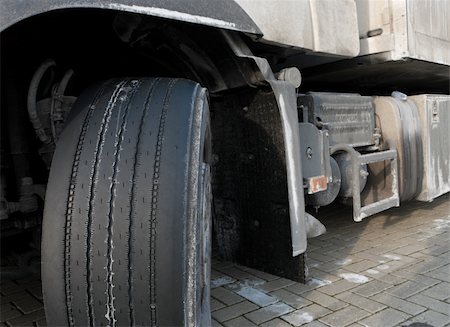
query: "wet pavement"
392, 269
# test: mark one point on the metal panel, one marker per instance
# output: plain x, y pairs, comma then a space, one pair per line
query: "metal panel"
434, 113
315, 155
307, 24
405, 29
349, 118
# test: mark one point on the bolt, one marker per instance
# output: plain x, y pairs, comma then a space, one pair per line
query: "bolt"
245, 109
309, 153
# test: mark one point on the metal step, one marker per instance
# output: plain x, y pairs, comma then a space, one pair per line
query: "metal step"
360, 212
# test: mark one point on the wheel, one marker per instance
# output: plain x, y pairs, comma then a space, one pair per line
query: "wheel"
126, 231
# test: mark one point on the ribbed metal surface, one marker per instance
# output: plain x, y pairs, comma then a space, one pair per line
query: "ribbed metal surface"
349, 118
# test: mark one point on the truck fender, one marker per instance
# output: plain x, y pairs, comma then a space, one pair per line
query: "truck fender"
287, 105
224, 14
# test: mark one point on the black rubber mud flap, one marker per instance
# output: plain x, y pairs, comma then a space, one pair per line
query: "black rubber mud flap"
126, 225
251, 202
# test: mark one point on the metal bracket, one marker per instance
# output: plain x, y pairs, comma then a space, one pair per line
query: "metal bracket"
361, 212
287, 105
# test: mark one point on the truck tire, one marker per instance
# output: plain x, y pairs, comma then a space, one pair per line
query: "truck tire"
126, 231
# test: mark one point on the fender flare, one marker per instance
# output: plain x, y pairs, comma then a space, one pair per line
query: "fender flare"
224, 14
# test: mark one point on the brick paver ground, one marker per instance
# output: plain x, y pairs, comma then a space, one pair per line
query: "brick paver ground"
392, 269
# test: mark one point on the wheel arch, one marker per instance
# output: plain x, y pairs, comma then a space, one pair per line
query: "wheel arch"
224, 14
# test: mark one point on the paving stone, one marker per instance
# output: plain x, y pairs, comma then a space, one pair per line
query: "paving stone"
260, 274
291, 299
338, 287
41, 323
390, 266
216, 305
343, 256
234, 311
256, 296
239, 322
215, 323
238, 273
399, 304
430, 303
36, 292
318, 256
277, 322
361, 265
325, 300
370, 256
275, 285
371, 288
436, 250
386, 318
322, 275
438, 292
270, 312
442, 273
240, 284
382, 249
329, 266
406, 289
298, 288
427, 266
408, 274
223, 264
28, 319
344, 316
305, 315
409, 249
226, 296
361, 302
24, 302
8, 311
430, 318
221, 280
386, 278
8, 287
315, 323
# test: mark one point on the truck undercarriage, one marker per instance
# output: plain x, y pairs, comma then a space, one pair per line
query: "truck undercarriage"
137, 141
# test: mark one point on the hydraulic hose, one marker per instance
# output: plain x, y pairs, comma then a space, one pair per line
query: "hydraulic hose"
31, 101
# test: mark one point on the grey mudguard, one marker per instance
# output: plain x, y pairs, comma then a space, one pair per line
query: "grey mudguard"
287, 105
225, 14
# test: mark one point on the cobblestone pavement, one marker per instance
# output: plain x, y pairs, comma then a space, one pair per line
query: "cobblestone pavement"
392, 269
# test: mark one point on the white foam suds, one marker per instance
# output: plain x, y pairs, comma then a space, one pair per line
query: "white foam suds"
392, 256
246, 282
354, 278
344, 262
220, 281
318, 282
372, 271
304, 318
439, 224
278, 309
